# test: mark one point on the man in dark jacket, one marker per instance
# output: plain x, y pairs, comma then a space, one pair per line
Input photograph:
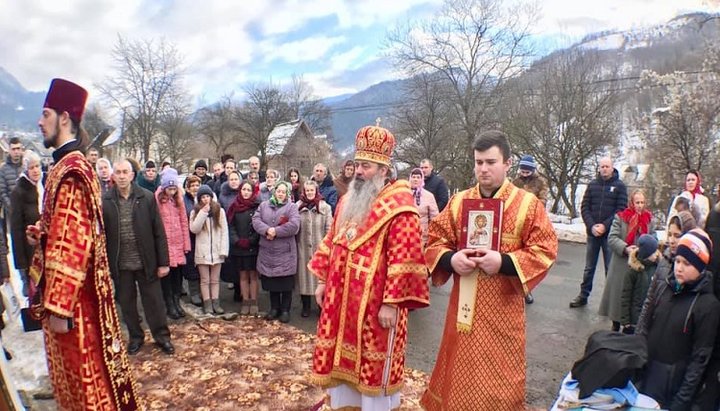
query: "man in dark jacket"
603, 198
326, 185
150, 178
435, 184
137, 254
9, 173
201, 169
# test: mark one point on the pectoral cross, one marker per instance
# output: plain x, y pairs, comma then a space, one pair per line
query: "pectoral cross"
465, 310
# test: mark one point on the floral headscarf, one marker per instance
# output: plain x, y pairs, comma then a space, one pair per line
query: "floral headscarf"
274, 201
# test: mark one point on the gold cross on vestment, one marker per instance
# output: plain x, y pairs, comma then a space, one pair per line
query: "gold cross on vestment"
360, 267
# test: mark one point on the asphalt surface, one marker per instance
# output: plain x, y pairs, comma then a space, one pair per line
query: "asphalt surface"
556, 334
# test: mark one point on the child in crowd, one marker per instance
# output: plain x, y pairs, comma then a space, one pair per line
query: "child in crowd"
683, 326
643, 261
208, 223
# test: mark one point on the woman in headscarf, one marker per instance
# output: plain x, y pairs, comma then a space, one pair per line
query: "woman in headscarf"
315, 221
627, 227
277, 221
424, 200
693, 191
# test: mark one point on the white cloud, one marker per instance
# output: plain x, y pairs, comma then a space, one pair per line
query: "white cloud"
308, 49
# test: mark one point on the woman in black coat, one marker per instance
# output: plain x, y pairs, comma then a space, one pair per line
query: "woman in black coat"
25, 211
244, 245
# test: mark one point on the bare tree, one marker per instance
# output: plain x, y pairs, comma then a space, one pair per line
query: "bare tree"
96, 126
145, 85
176, 136
476, 45
425, 124
565, 116
219, 125
266, 106
307, 106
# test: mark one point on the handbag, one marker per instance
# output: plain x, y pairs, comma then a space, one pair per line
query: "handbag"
28, 322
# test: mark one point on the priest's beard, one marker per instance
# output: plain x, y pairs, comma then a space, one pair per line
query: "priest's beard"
51, 140
360, 197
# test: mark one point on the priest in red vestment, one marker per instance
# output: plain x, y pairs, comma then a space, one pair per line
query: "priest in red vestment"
371, 270
73, 293
481, 361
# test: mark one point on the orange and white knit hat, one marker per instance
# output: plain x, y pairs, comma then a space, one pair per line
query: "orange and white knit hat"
695, 246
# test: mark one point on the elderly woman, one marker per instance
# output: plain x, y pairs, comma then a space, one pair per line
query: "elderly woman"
267, 188
25, 208
626, 229
277, 222
315, 221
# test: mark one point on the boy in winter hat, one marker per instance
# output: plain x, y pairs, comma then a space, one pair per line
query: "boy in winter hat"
682, 330
643, 262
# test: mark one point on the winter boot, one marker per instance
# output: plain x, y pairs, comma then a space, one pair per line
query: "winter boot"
305, 306
172, 311
194, 291
245, 308
178, 306
253, 308
216, 307
207, 307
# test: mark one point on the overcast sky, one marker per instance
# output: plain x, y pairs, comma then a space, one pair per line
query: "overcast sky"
335, 44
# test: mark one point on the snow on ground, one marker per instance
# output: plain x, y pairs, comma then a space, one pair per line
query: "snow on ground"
573, 231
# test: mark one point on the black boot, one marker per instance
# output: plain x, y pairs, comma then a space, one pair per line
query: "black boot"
274, 312
305, 305
616, 326
178, 306
169, 299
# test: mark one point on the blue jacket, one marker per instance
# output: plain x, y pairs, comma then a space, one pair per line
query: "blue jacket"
602, 200
329, 192
437, 186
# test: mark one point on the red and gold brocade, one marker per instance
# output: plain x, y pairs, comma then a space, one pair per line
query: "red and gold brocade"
379, 262
88, 365
485, 368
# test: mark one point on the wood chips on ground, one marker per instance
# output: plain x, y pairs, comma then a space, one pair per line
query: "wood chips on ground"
246, 364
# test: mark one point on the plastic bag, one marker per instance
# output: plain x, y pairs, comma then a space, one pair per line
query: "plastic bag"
10, 302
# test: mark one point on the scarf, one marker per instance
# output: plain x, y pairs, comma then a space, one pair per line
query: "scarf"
274, 201
698, 188
638, 223
310, 204
240, 205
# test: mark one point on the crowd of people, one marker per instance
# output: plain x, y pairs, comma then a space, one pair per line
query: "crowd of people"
90, 234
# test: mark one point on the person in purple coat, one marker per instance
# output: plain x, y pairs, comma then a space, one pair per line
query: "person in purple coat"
277, 221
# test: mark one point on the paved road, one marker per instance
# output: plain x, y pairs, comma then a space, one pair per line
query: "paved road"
556, 334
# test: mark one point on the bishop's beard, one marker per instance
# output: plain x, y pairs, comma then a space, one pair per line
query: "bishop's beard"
360, 197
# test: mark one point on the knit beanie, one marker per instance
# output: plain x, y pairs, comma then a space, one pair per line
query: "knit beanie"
647, 245
204, 190
150, 164
527, 163
201, 164
695, 247
169, 178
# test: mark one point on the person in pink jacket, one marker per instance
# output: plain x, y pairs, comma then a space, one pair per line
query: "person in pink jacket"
172, 211
424, 200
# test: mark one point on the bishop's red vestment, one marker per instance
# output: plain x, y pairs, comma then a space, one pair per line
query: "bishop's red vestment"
365, 266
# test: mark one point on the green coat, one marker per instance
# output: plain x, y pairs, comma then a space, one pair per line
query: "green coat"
611, 303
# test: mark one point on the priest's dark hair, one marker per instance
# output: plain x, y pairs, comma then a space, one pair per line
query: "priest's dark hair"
493, 138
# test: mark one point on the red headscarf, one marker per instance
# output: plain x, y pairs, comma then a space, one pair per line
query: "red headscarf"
698, 188
241, 205
638, 223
